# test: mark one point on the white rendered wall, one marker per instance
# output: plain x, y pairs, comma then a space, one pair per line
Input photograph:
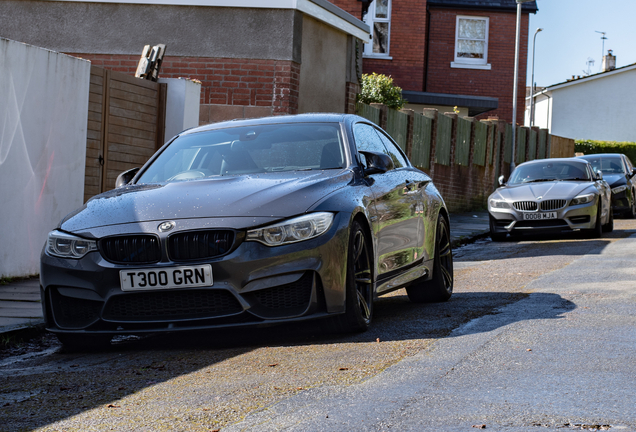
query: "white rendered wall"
43, 117
542, 110
596, 109
182, 105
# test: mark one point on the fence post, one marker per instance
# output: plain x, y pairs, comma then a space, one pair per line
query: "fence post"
383, 113
432, 113
409, 132
453, 140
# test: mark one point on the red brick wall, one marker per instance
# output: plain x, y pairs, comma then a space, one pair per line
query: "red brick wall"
498, 81
406, 47
224, 81
354, 7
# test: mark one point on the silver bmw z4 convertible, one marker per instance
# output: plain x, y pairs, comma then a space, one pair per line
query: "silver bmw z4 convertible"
551, 196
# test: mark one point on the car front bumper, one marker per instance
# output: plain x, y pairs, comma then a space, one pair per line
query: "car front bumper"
252, 285
568, 218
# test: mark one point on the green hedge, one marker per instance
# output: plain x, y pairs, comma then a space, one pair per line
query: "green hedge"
592, 147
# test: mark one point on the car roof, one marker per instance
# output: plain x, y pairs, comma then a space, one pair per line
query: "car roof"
572, 159
282, 119
595, 155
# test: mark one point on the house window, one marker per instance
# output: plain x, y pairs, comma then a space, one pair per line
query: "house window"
378, 17
471, 42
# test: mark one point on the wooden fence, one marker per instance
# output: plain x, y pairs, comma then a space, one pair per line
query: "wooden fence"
463, 156
126, 118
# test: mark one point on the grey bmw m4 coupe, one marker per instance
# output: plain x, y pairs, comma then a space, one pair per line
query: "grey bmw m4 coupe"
250, 222
551, 196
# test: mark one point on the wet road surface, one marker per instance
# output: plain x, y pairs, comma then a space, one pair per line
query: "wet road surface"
538, 334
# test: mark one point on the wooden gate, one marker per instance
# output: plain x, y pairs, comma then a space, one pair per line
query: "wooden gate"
126, 118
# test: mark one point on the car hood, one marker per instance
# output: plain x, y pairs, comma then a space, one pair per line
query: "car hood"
545, 190
615, 179
271, 195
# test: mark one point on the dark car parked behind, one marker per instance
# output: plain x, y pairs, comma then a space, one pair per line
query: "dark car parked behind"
619, 172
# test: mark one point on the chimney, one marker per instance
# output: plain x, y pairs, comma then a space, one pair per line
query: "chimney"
609, 62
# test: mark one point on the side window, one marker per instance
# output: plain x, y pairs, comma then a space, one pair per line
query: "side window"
398, 158
367, 140
628, 168
378, 17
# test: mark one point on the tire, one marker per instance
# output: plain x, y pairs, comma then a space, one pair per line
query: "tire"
609, 226
494, 236
440, 287
359, 286
83, 342
597, 231
631, 213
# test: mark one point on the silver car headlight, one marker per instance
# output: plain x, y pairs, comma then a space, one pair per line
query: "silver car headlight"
501, 204
619, 189
582, 199
69, 246
293, 230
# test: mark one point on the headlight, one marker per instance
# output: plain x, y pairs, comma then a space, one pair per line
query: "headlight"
619, 189
499, 204
582, 199
293, 230
69, 246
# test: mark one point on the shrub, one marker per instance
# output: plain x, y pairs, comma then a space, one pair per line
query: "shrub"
378, 88
592, 147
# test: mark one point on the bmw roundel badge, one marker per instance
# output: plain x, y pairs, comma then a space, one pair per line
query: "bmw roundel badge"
166, 226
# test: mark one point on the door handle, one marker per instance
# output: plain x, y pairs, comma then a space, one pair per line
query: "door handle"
101, 160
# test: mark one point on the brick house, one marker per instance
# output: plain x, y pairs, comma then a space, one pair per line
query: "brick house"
253, 57
446, 53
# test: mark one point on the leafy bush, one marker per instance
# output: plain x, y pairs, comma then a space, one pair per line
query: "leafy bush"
592, 147
378, 88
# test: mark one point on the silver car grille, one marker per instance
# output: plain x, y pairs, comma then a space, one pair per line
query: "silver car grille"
525, 205
553, 204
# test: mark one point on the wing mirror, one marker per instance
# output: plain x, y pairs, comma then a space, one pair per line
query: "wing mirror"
502, 180
599, 174
124, 178
377, 163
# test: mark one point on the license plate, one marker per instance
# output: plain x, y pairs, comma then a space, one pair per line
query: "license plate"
539, 216
165, 278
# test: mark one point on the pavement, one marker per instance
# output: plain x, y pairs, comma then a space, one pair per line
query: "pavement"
21, 309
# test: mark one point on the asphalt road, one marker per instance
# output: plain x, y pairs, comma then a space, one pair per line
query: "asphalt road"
539, 335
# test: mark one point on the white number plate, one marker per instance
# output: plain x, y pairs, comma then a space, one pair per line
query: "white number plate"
164, 278
539, 216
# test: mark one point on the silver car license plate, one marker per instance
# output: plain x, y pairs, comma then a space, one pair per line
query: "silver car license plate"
539, 216
166, 277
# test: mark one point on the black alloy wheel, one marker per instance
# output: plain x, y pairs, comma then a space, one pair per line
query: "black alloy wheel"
631, 213
359, 285
440, 287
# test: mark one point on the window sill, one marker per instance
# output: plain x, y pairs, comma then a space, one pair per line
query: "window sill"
470, 66
377, 57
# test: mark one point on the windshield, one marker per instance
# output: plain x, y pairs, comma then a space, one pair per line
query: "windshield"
607, 165
549, 171
248, 150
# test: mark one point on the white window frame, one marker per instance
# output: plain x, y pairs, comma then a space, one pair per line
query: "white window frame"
369, 19
468, 63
